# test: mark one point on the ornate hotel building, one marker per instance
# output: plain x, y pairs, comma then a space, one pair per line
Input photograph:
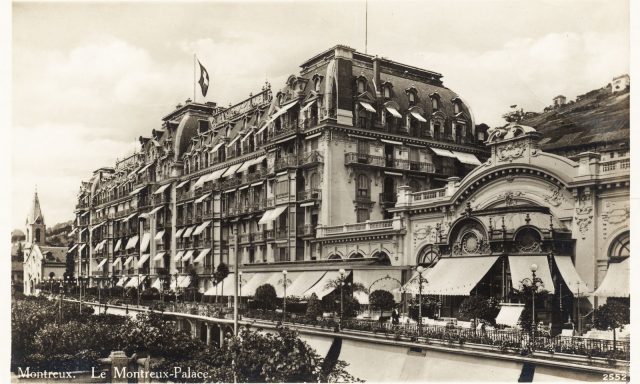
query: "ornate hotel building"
359, 163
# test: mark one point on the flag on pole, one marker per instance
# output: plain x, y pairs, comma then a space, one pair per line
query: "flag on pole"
204, 79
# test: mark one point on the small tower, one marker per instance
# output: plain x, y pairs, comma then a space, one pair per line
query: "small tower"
36, 228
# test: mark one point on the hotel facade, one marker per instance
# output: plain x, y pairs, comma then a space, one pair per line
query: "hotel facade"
357, 163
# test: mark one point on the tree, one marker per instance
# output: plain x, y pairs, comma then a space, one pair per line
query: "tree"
313, 307
221, 273
382, 300
479, 307
266, 296
611, 315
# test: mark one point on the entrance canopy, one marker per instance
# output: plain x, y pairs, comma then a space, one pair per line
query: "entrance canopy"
455, 276
320, 288
570, 276
616, 281
521, 269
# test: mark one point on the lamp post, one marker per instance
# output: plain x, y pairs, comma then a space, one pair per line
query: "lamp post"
420, 270
284, 296
535, 283
60, 301
138, 290
175, 301
342, 273
80, 280
240, 288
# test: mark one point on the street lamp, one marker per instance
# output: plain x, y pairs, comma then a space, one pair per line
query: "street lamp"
240, 287
420, 269
284, 297
342, 273
60, 302
535, 283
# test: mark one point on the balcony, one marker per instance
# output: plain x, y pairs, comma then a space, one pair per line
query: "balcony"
310, 194
270, 202
206, 215
310, 122
307, 230
245, 238
258, 236
617, 167
184, 195
230, 183
388, 199
358, 228
282, 234
311, 158
269, 234
255, 176
285, 130
431, 194
289, 161
353, 158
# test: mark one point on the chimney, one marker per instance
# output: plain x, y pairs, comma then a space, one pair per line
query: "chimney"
376, 74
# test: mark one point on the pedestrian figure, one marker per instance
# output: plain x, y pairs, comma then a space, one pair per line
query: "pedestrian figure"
395, 316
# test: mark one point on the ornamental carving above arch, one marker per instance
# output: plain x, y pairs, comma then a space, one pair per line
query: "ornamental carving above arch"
511, 151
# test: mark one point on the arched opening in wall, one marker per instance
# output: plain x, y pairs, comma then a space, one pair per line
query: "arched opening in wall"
381, 258
620, 249
203, 332
357, 255
186, 326
428, 256
334, 101
37, 235
334, 257
389, 189
215, 335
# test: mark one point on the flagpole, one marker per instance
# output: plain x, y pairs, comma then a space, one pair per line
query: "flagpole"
194, 77
366, 24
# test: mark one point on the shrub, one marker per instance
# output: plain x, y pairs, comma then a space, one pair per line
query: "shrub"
266, 297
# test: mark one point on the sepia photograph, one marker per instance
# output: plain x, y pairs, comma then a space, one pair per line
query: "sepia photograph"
339, 191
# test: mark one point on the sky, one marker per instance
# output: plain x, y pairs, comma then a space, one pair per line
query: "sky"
89, 78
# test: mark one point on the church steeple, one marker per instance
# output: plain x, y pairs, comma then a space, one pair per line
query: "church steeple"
35, 222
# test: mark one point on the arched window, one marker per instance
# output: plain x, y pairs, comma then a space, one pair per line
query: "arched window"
362, 186
412, 97
356, 255
361, 86
334, 257
434, 104
387, 92
428, 255
37, 235
620, 248
316, 85
456, 108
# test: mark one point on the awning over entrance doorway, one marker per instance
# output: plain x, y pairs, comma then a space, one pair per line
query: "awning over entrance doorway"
616, 281
520, 267
509, 314
571, 277
320, 288
308, 279
456, 276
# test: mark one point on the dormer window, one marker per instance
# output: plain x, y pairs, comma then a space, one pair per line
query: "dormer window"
456, 108
316, 85
412, 97
434, 104
387, 92
361, 86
